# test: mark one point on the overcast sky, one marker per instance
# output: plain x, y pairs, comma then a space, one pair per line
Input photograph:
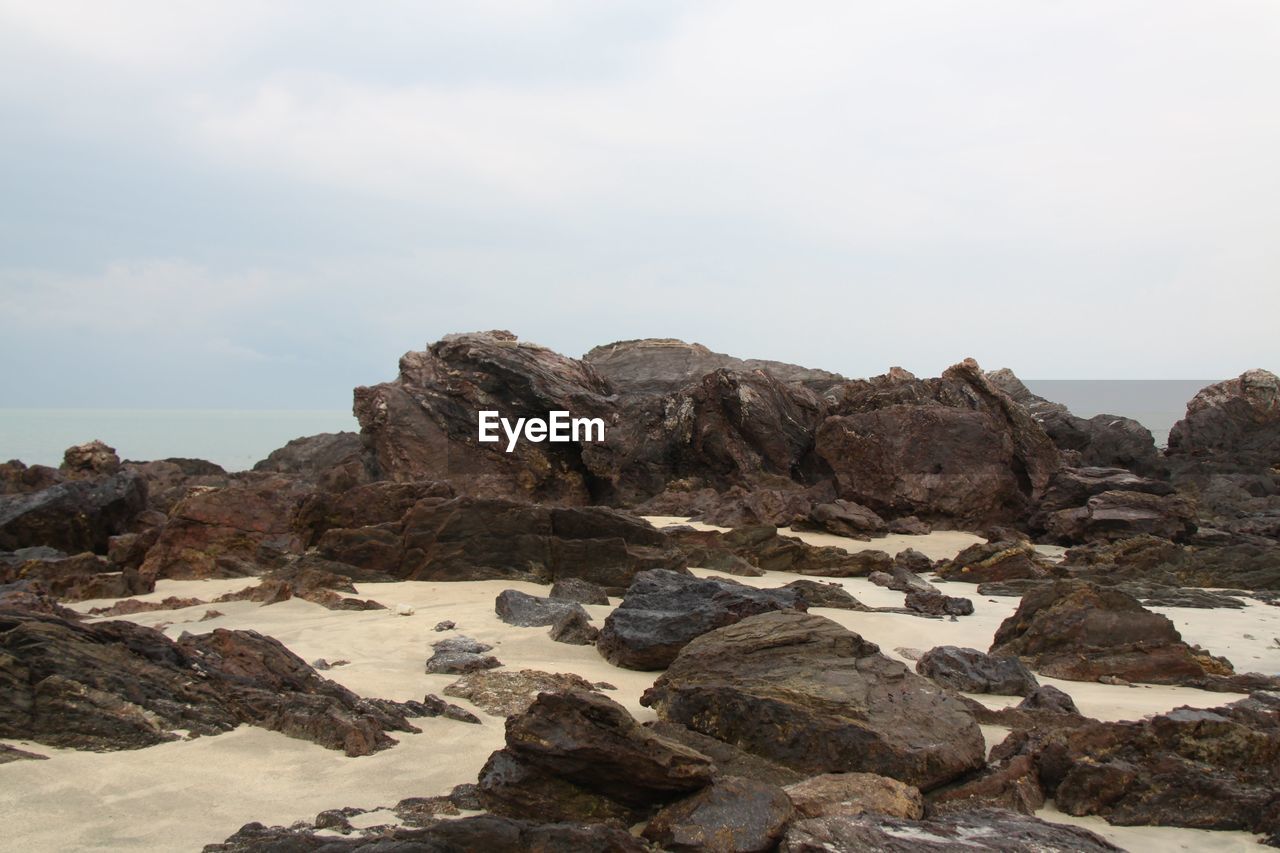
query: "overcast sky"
209, 204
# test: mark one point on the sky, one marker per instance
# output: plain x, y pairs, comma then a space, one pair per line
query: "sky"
237, 204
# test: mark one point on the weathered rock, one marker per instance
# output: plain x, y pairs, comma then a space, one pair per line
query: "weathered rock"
579, 590
835, 794
73, 516
527, 611
962, 832
1080, 631
665, 365
1046, 697
846, 518
117, 685
912, 560
17, 478
130, 606
987, 562
972, 671
90, 460
459, 655
955, 447
574, 628
729, 760
804, 692
662, 611
1159, 561
825, 594
170, 480
77, 578
901, 579
505, 694
334, 461
937, 604
1012, 784
1121, 515
729, 816
578, 754
1239, 417
214, 532
10, 754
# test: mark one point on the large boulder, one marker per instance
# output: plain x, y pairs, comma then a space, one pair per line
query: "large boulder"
337, 460
956, 448
804, 692
1239, 417
1080, 631
972, 671
663, 611
577, 755
73, 516
528, 611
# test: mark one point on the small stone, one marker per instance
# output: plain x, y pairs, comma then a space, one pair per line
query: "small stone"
404, 610
446, 625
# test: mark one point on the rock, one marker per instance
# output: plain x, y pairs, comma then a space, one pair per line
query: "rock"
117, 685
459, 655
962, 832
1046, 697
846, 518
336, 461
937, 604
728, 816
10, 754
527, 611
1103, 440
824, 594
130, 606
1199, 768
574, 628
579, 590
1239, 417
910, 526
481, 832
956, 448
77, 578
1121, 515
168, 481
366, 505
663, 611
804, 692
1080, 631
996, 561
762, 548
17, 478
912, 560
230, 531
73, 516
834, 794
434, 706
1159, 561
972, 671
1013, 784
728, 759
91, 460
476, 539
404, 610
902, 580
578, 754
447, 625
505, 694
740, 507
211, 614
665, 365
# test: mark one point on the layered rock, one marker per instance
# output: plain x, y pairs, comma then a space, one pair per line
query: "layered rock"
728, 816
73, 516
972, 671
962, 832
988, 562
663, 611
804, 692
1239, 417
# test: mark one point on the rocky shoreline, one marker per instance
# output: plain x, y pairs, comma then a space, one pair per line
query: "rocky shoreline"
726, 556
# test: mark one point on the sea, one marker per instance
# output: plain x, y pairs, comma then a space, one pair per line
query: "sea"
238, 438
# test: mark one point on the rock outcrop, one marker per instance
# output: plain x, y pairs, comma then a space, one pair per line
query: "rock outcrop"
665, 365
1239, 417
972, 671
804, 692
73, 516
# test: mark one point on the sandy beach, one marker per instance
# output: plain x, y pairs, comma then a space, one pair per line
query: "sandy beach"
181, 795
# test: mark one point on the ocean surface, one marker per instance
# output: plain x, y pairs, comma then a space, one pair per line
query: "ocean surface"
237, 438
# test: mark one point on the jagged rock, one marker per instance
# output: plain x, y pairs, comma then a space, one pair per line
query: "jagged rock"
955, 447
972, 671
77, 578
962, 832
482, 832
729, 816
1103, 440
739, 507
665, 365
910, 526
574, 627
17, 478
1152, 560
459, 655
446, 625
662, 611
90, 460
763, 549
986, 562
729, 760
937, 604
1012, 784
505, 694
579, 590
477, 539
216, 532
846, 518
130, 606
1121, 515
73, 516
1046, 697
913, 561
170, 480
800, 690
825, 594
578, 755
1080, 631
902, 579
835, 794
528, 611
365, 505
117, 685
335, 461
1239, 417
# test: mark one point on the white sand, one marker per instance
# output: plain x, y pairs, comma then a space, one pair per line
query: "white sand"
182, 795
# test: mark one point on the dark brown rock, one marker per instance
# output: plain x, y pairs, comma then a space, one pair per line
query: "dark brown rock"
988, 562
73, 516
729, 816
802, 691
962, 832
972, 671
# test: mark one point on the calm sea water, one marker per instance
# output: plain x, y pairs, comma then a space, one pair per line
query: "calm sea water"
236, 439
